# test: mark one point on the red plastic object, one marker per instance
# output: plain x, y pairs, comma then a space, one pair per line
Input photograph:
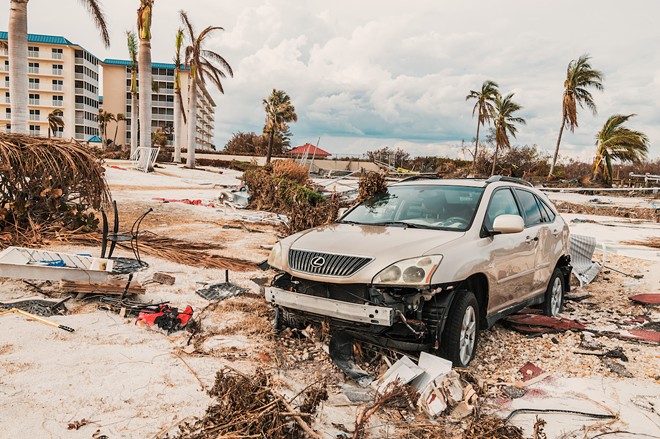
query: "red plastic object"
537, 320
646, 299
530, 371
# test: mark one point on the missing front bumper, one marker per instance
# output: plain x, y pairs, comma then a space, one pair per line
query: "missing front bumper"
375, 315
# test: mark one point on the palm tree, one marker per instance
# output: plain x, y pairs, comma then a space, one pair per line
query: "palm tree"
120, 117
105, 117
18, 57
202, 64
179, 112
144, 70
55, 121
504, 122
131, 40
484, 109
617, 142
579, 77
279, 112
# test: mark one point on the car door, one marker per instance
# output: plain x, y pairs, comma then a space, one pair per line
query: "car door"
550, 245
536, 236
511, 265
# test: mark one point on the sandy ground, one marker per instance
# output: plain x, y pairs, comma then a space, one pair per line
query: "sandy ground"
124, 380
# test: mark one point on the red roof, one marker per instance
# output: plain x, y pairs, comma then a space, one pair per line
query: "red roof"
310, 149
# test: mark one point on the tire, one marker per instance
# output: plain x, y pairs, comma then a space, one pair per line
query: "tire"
461, 333
284, 319
554, 294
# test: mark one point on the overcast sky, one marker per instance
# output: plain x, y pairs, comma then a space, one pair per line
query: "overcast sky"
365, 73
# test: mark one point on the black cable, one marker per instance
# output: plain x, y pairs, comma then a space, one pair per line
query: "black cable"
570, 412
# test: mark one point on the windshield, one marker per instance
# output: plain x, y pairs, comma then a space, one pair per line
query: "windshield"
436, 207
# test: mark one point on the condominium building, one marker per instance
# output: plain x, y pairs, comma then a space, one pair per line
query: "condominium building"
117, 99
61, 75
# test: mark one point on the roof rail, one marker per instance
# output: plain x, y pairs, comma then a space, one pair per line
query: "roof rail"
421, 177
496, 178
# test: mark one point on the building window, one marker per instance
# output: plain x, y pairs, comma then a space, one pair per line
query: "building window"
35, 130
6, 68
8, 128
58, 101
6, 81
57, 54
58, 85
33, 67
33, 83
7, 100
59, 132
57, 69
7, 113
33, 52
35, 114
33, 99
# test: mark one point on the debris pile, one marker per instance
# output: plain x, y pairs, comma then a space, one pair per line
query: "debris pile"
247, 406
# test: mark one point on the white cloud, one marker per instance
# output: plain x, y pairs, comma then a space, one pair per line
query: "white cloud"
370, 73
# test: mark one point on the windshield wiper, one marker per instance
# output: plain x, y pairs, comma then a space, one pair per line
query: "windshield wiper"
404, 224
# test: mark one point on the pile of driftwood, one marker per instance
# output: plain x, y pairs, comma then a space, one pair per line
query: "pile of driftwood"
247, 406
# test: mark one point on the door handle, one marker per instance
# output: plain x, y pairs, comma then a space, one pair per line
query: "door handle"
529, 239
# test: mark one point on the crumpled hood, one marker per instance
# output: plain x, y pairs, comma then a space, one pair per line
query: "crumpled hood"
380, 242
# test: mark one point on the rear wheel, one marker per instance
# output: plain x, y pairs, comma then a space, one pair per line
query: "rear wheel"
554, 295
461, 333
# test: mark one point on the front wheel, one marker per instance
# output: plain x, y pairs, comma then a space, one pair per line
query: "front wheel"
554, 295
461, 332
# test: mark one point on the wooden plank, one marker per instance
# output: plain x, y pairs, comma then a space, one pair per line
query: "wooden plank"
103, 288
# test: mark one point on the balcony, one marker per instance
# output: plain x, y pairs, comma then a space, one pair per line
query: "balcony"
33, 102
57, 56
59, 72
58, 103
33, 70
33, 86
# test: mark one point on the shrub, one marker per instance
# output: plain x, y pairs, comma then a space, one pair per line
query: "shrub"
290, 170
371, 183
304, 207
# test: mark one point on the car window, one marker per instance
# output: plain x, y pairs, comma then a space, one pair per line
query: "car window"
501, 203
442, 207
549, 214
530, 208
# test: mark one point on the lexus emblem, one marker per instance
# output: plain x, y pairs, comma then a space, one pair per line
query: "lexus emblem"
318, 262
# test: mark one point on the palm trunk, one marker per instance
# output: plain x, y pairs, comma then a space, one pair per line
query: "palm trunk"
270, 145
476, 150
178, 126
144, 90
192, 121
114, 139
492, 171
134, 123
554, 158
18, 63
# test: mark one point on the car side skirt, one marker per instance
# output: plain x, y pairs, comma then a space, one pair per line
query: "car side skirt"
376, 315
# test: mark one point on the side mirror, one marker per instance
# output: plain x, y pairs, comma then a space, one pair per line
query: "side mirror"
508, 224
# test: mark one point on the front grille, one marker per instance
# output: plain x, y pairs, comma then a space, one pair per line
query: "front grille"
326, 264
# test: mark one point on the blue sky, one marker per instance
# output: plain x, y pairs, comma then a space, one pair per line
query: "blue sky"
366, 74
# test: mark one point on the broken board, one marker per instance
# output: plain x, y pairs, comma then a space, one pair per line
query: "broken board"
646, 299
27, 263
101, 288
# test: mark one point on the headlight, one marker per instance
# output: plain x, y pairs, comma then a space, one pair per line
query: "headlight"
415, 271
275, 258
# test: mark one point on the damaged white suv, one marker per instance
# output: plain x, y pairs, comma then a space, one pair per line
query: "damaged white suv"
426, 264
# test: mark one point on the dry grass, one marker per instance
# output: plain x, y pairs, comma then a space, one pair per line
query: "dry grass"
290, 170
371, 183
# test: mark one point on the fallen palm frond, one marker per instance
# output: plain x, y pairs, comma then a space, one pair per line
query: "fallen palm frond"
46, 181
650, 242
246, 406
175, 250
393, 394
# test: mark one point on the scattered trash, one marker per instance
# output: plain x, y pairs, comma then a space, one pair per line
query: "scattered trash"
514, 392
537, 323
634, 276
613, 353
119, 288
43, 308
640, 334
646, 299
77, 425
617, 368
221, 291
403, 372
37, 318
358, 394
581, 249
529, 371
185, 201
166, 318
163, 278
577, 298
631, 283
127, 265
341, 353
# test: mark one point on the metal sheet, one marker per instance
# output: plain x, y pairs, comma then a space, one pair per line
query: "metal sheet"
353, 312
